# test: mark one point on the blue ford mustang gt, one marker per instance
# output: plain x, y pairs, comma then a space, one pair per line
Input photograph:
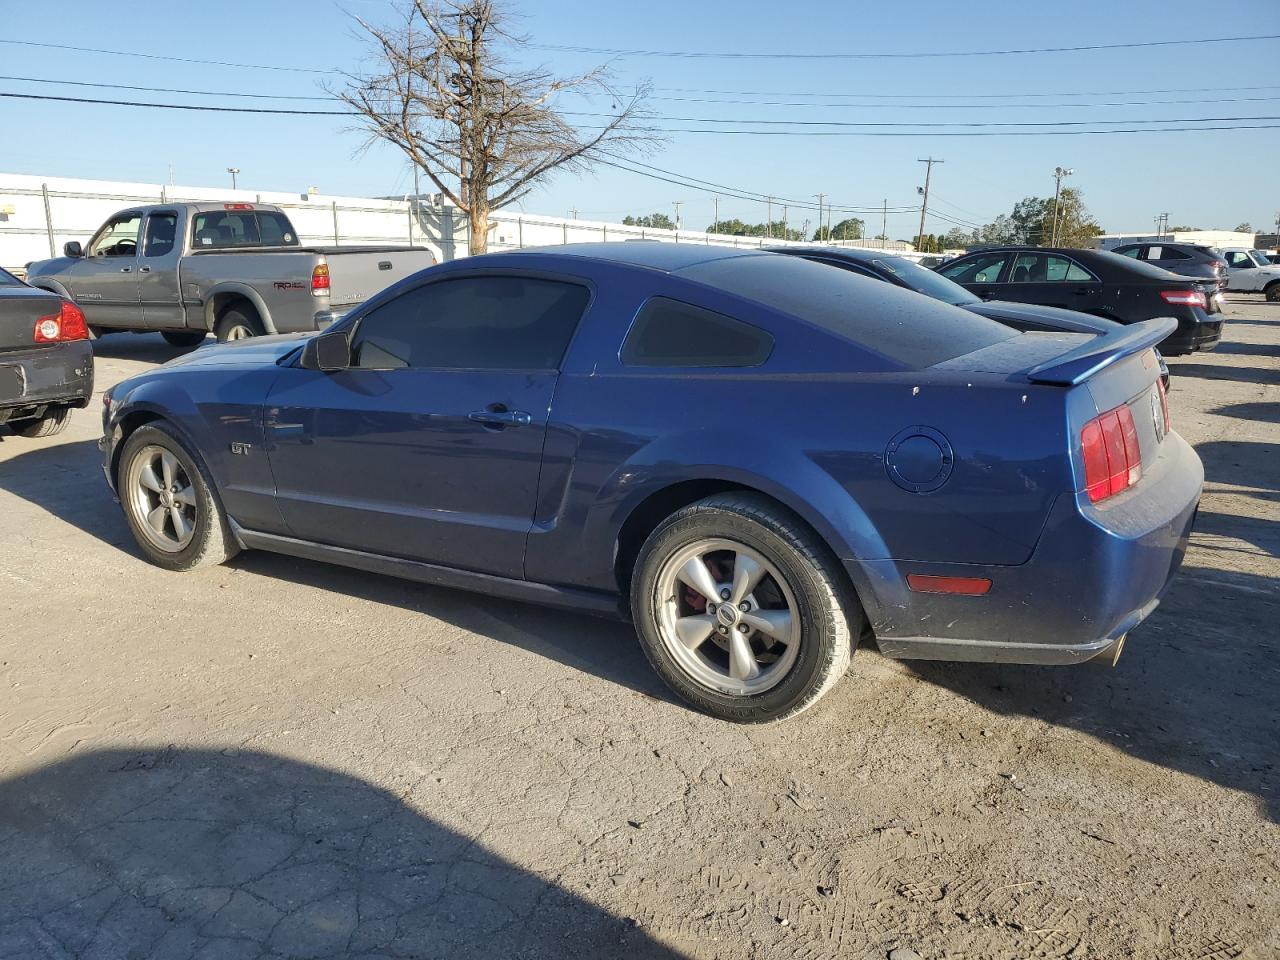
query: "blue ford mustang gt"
759, 459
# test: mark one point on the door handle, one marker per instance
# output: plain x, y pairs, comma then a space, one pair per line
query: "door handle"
144, 269
1082, 291
126, 269
501, 417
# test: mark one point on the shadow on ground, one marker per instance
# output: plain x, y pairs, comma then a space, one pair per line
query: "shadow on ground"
1223, 371
178, 853
1263, 411
143, 347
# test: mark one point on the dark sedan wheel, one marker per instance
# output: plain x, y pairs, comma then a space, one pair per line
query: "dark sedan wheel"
742, 610
169, 503
184, 338
53, 422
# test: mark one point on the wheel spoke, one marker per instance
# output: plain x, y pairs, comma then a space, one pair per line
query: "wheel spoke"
696, 575
155, 519
742, 661
185, 496
772, 623
180, 525
693, 631
747, 574
168, 467
147, 477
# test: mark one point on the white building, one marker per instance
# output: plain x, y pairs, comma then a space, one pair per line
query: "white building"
1200, 238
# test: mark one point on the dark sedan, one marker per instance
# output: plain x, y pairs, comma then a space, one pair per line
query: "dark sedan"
1184, 259
46, 363
1096, 282
758, 459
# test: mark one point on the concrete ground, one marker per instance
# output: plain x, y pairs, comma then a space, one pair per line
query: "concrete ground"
278, 758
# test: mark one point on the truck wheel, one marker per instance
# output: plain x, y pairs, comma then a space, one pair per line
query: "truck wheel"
183, 338
238, 323
169, 502
742, 610
1273, 292
53, 422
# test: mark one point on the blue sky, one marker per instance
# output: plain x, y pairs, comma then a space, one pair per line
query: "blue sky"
1203, 178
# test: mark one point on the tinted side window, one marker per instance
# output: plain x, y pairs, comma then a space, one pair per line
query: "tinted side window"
162, 230
983, 268
1168, 253
1130, 252
473, 323
1060, 268
669, 333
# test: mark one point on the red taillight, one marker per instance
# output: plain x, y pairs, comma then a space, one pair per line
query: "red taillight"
65, 325
1112, 457
320, 277
237, 206
1185, 298
967, 586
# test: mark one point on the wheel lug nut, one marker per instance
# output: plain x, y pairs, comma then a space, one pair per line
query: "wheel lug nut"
744, 606
711, 608
744, 628
723, 629
724, 594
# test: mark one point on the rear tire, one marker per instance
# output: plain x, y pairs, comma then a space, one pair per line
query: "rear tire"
801, 617
52, 423
177, 529
238, 323
183, 338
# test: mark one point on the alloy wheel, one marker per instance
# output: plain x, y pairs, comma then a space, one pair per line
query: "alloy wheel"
163, 498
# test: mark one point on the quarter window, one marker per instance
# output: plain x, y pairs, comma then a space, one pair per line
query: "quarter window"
473, 323
249, 228
983, 268
670, 333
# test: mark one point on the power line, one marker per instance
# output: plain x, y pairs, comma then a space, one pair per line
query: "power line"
931, 124
170, 59
183, 106
962, 106
1005, 95
194, 93
733, 55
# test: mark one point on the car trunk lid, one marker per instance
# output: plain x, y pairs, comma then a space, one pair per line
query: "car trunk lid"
20, 308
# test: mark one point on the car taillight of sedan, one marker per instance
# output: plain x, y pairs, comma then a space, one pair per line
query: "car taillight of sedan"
65, 325
1185, 298
1112, 456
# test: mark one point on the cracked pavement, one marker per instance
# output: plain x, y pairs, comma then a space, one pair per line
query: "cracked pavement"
277, 758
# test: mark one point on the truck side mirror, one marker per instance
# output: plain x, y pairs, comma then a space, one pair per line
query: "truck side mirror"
327, 352
73, 249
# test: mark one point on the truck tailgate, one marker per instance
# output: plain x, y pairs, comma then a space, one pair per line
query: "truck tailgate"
356, 274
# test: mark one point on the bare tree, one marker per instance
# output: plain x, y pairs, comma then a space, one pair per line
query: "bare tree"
484, 132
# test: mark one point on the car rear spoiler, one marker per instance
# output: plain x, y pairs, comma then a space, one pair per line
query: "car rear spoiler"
1076, 366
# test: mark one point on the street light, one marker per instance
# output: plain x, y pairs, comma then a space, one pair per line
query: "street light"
233, 171
1058, 174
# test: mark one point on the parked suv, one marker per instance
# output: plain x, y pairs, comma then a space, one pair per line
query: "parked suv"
1184, 259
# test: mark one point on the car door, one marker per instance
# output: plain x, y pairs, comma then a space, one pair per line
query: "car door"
158, 272
429, 445
104, 282
1052, 280
1241, 271
980, 273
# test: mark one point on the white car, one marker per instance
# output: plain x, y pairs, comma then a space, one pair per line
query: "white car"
1249, 271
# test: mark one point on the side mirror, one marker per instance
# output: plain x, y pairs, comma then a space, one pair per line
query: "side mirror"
73, 249
327, 352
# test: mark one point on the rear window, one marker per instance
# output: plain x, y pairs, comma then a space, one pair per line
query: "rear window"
241, 228
913, 330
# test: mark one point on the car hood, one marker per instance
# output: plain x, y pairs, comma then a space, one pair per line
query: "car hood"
255, 351
45, 268
1055, 318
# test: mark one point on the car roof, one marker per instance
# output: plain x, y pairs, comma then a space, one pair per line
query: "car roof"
857, 254
653, 254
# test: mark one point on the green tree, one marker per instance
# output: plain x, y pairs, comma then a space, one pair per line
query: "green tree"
1183, 229
1244, 227
957, 238
1076, 226
659, 221
848, 229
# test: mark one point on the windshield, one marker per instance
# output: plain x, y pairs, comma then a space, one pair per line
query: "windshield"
1259, 258
923, 280
9, 280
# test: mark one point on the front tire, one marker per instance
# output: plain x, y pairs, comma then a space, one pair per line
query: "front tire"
238, 323
742, 610
183, 338
52, 423
1272, 293
169, 502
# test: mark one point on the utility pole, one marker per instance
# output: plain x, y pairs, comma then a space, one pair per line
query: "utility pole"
768, 218
1164, 224
677, 204
1058, 174
884, 224
574, 213
821, 197
716, 223
233, 171
786, 237
924, 204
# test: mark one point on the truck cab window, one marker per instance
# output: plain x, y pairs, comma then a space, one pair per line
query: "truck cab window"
119, 238
162, 231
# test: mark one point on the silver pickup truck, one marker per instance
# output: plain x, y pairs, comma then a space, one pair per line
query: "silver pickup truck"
234, 269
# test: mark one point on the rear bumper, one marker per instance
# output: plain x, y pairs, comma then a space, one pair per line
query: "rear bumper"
1198, 335
58, 375
1096, 573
